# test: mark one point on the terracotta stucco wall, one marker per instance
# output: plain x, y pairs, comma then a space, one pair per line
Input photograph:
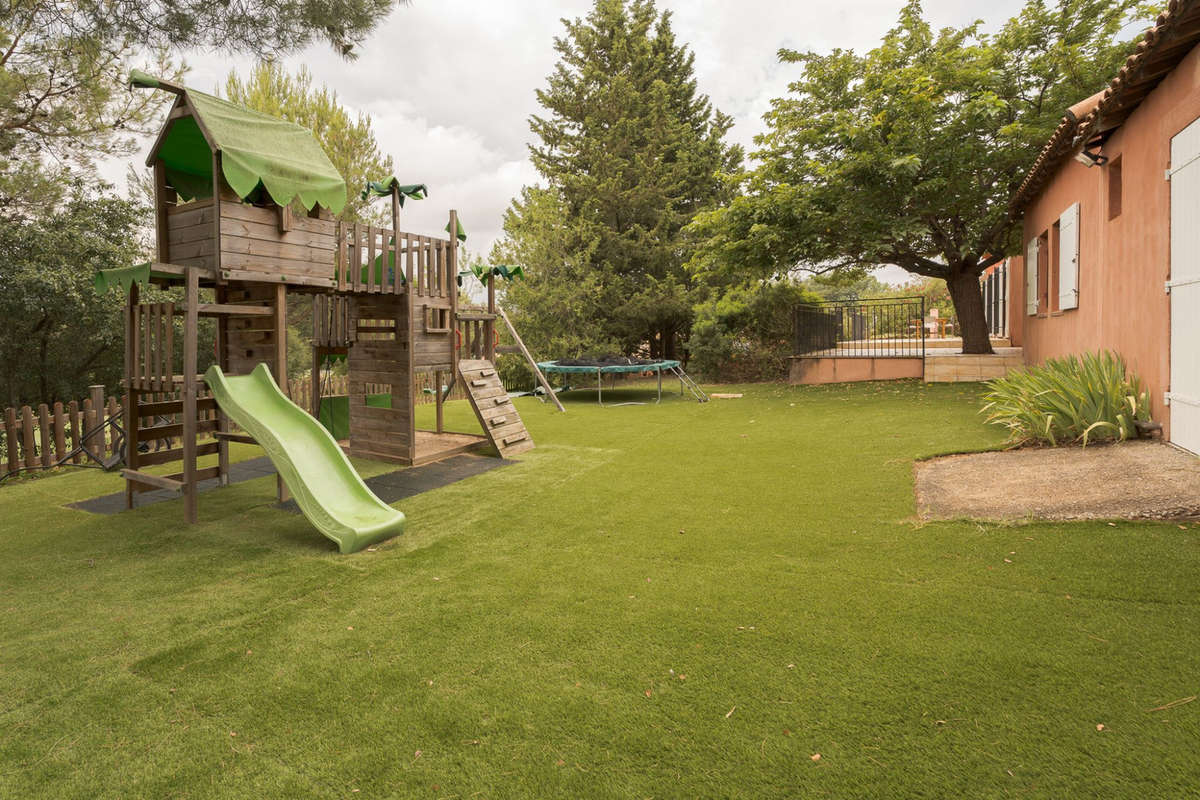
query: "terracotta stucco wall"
1124, 261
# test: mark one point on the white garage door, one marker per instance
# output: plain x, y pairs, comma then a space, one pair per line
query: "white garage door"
1185, 288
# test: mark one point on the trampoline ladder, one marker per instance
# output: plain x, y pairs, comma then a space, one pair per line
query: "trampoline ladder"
692, 386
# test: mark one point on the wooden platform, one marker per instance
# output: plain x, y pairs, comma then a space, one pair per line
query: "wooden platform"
433, 446
436, 446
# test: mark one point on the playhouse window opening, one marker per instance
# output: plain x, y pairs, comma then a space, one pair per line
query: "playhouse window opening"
437, 320
376, 330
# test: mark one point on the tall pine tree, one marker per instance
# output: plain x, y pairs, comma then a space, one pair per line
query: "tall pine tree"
630, 152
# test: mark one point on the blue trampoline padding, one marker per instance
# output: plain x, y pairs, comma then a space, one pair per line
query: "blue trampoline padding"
658, 366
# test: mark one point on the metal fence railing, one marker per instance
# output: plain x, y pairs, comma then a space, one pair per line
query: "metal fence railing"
872, 328
995, 300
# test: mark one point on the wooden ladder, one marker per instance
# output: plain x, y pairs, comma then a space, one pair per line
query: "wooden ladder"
493, 408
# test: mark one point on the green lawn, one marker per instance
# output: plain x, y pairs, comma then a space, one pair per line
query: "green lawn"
659, 601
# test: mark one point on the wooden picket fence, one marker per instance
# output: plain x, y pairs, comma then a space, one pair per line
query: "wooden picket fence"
38, 439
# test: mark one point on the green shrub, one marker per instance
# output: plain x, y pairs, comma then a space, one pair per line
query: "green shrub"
1080, 399
745, 333
515, 373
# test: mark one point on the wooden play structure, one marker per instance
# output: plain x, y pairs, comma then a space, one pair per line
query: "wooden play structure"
228, 232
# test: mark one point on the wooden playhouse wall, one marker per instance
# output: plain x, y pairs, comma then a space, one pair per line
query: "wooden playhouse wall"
266, 244
381, 355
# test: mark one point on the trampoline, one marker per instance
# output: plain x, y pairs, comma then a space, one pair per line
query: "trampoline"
615, 366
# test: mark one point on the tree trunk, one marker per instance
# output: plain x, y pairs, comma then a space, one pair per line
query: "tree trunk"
967, 296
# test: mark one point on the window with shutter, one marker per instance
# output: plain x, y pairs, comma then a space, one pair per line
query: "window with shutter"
1031, 277
1068, 258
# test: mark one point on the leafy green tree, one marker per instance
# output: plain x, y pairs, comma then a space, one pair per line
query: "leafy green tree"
556, 305
247, 26
347, 138
909, 154
59, 335
63, 99
629, 151
848, 285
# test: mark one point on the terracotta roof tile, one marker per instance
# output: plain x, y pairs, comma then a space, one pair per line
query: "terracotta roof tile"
1174, 34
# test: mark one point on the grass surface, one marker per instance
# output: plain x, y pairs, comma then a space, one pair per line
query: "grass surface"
659, 601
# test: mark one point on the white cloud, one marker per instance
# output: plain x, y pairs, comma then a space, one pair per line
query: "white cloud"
450, 85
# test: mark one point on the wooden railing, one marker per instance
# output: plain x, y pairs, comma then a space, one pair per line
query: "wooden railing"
331, 321
152, 346
373, 261
477, 334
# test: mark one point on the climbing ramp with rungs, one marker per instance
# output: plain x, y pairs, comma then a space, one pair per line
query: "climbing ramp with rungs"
493, 408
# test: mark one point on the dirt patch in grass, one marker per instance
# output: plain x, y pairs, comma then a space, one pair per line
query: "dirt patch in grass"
1133, 480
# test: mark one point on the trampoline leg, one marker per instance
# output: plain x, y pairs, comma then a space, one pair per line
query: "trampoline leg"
659, 400
599, 387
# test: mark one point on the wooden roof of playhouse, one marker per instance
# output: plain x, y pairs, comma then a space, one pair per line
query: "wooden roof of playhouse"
257, 153
1175, 32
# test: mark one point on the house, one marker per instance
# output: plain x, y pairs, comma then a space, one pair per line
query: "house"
1111, 231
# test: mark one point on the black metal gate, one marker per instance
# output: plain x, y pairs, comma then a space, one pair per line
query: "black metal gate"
995, 300
886, 327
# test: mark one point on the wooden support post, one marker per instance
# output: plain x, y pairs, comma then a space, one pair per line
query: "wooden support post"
356, 257
452, 268
60, 432
29, 439
409, 310
339, 238
132, 421
147, 353
191, 335
489, 327
280, 337
437, 393
395, 240
372, 278
222, 296
315, 400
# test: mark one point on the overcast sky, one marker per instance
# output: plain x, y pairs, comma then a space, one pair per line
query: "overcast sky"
450, 84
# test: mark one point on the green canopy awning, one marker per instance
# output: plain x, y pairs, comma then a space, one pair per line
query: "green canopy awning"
257, 150
417, 191
124, 277
462, 232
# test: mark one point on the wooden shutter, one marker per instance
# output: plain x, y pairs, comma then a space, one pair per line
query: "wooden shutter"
1031, 277
1068, 258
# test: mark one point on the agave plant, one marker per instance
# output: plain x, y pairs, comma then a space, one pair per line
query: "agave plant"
1076, 399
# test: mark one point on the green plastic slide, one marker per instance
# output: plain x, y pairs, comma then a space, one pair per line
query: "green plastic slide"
326, 487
